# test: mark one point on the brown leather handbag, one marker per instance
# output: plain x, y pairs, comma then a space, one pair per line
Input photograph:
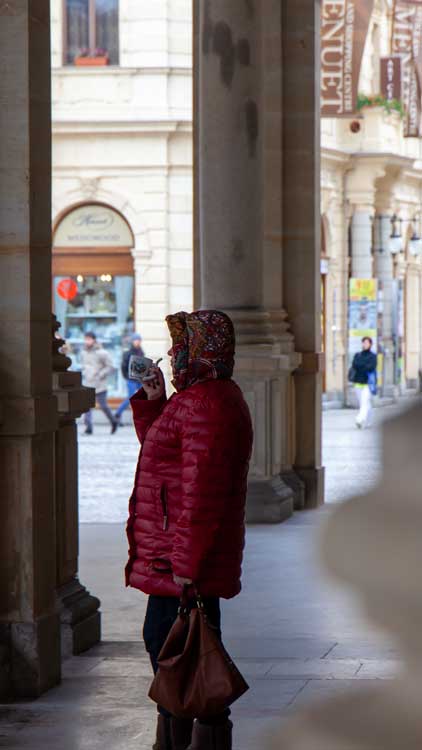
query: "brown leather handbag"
196, 677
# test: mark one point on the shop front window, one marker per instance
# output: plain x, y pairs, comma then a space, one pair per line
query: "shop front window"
92, 32
102, 304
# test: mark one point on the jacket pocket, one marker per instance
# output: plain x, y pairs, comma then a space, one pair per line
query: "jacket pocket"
161, 565
164, 506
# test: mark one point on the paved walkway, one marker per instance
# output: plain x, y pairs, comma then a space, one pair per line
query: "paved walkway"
294, 636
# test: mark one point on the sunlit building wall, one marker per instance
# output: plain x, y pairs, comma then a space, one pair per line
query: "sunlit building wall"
122, 169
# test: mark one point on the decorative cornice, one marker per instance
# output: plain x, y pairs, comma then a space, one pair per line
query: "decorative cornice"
335, 155
263, 327
72, 127
121, 71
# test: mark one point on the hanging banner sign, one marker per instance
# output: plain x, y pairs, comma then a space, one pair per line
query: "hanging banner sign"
391, 78
405, 43
362, 313
344, 28
417, 46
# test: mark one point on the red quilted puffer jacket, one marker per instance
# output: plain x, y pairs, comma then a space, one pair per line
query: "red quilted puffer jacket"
188, 504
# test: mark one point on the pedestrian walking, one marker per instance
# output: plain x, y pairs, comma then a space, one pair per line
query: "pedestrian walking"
363, 374
132, 385
186, 519
96, 367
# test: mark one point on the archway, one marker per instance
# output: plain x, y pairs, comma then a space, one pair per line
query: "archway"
93, 281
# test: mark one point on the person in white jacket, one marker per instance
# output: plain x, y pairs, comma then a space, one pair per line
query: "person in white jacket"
96, 367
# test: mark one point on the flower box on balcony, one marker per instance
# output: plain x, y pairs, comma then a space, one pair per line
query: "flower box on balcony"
86, 60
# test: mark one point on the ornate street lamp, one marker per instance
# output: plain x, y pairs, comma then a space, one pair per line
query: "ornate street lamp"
415, 242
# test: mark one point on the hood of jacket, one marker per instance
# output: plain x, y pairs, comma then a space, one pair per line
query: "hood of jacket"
203, 347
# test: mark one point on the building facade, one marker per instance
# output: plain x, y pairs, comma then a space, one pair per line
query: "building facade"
371, 188
122, 170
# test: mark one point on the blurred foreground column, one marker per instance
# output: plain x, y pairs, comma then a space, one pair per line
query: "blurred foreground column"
373, 544
29, 619
240, 240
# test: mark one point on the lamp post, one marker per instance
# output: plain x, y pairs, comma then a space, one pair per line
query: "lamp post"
415, 242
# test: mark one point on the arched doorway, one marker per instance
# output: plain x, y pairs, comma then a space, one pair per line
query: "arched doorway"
93, 281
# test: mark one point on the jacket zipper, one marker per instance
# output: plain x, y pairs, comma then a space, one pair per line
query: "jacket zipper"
163, 496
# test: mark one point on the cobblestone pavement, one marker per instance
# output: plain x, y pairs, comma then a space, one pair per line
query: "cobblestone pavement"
107, 463
295, 637
107, 466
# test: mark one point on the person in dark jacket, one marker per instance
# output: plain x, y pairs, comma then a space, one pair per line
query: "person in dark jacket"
132, 385
186, 513
363, 375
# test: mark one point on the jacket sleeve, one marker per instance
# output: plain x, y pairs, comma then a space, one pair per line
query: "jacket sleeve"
374, 363
125, 365
107, 365
206, 449
145, 411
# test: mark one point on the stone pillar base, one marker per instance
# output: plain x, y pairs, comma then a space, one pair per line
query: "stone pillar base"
265, 361
80, 618
314, 481
30, 657
297, 485
269, 501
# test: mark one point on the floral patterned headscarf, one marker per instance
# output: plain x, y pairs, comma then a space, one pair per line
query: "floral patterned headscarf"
203, 347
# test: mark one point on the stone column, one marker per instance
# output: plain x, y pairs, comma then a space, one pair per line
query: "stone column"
29, 620
238, 256
302, 229
361, 234
79, 611
384, 274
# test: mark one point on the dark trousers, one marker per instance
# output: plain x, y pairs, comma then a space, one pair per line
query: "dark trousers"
101, 399
160, 616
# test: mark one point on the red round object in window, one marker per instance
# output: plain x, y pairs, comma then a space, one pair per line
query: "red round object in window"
67, 289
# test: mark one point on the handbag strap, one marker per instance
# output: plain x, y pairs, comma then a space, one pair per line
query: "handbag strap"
184, 600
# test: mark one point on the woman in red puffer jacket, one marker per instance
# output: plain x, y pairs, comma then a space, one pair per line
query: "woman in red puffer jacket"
186, 522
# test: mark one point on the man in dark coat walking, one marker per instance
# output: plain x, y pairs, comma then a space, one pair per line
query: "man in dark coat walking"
363, 375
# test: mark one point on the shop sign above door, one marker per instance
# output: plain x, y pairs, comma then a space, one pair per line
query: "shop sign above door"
93, 225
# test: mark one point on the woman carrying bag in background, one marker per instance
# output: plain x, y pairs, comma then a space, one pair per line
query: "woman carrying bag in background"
186, 522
